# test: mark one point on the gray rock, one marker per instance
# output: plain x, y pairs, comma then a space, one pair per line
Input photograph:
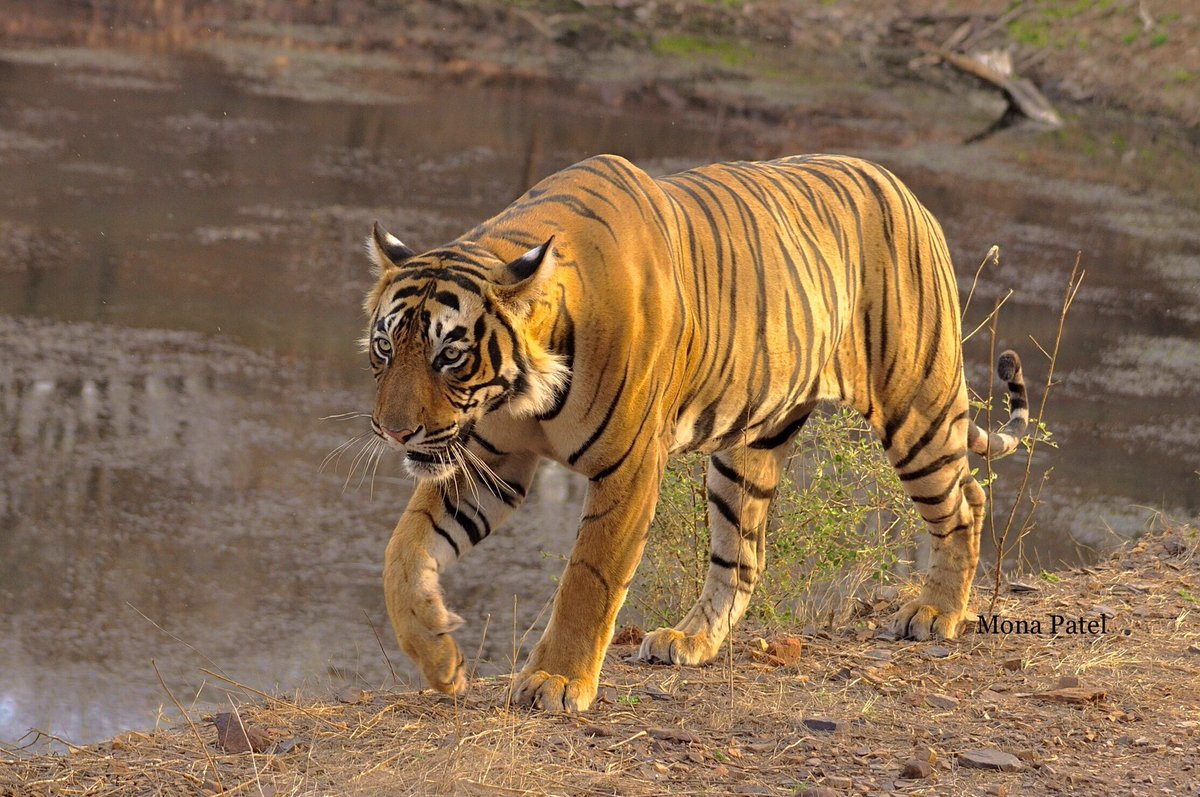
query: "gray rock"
943, 702
990, 759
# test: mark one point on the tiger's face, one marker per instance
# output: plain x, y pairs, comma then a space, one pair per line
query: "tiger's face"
448, 343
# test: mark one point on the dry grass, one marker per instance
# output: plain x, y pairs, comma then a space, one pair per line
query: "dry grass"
738, 726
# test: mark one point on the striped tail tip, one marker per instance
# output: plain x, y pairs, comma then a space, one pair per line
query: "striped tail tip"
1005, 441
1008, 368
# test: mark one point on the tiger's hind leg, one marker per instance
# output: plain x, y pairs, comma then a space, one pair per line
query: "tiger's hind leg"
934, 471
741, 484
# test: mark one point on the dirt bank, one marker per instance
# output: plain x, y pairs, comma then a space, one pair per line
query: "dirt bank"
1136, 55
1105, 706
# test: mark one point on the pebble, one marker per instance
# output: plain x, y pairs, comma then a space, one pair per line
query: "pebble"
350, 694
844, 674
785, 650
673, 735
915, 769
944, 702
821, 724
990, 759
937, 652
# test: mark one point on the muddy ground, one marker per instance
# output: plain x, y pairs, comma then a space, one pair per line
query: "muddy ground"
1105, 706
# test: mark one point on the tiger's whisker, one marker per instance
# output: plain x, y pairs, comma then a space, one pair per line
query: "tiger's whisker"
483, 472
354, 463
496, 484
345, 416
462, 466
336, 454
457, 495
366, 462
380, 450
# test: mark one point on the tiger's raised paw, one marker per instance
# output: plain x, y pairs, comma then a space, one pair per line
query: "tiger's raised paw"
671, 646
441, 662
556, 694
921, 621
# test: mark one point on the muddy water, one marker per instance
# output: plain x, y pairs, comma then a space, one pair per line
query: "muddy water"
180, 274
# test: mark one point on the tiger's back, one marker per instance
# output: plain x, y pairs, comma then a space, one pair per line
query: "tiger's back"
747, 287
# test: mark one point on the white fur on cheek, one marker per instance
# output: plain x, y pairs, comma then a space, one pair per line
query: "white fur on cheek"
549, 375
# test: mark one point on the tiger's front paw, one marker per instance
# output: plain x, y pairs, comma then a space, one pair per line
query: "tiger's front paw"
557, 694
671, 646
440, 660
419, 616
921, 620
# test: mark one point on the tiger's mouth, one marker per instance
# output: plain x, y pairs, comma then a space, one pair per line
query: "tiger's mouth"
436, 465
440, 462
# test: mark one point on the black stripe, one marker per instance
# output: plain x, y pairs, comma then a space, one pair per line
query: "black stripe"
595, 571
474, 534
725, 510
515, 493
932, 467
745, 571
930, 432
783, 436
568, 351
612, 408
741, 481
934, 500
485, 445
447, 298
943, 535
446, 536
637, 436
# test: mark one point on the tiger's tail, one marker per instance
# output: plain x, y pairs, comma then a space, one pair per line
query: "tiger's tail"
1006, 439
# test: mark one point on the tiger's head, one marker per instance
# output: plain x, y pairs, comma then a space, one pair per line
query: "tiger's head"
452, 336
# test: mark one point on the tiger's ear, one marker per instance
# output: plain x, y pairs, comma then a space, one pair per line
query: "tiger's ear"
386, 250
522, 279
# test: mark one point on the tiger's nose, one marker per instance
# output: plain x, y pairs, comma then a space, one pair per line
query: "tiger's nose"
401, 436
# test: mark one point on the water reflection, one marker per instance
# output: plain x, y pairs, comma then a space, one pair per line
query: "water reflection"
160, 501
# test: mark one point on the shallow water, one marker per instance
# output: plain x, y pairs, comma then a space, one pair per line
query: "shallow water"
180, 279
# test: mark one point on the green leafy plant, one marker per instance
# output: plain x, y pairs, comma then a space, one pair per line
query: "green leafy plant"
839, 522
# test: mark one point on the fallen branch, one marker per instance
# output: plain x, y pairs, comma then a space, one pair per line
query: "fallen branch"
1022, 95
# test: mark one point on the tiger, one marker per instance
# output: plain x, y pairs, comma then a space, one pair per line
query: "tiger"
608, 320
